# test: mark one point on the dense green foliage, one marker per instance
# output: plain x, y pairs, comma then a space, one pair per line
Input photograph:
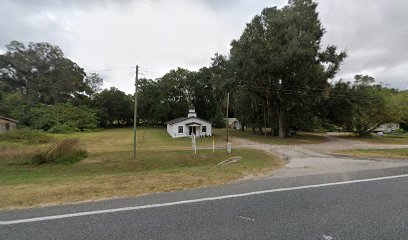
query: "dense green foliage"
48, 117
279, 64
43, 89
363, 106
115, 108
42, 73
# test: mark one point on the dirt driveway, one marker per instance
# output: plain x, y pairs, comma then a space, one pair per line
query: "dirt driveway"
311, 159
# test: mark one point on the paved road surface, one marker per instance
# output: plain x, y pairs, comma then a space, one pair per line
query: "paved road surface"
374, 209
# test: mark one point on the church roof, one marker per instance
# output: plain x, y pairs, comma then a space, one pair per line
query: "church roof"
180, 119
192, 107
176, 120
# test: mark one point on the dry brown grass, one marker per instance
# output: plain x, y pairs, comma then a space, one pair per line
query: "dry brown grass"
123, 185
387, 139
163, 164
398, 153
66, 150
16, 152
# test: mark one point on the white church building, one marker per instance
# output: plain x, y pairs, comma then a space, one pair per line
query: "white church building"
188, 126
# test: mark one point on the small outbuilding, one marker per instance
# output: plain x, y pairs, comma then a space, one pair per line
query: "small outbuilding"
188, 126
7, 124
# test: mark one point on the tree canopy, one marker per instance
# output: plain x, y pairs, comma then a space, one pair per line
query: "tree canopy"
42, 73
279, 63
278, 76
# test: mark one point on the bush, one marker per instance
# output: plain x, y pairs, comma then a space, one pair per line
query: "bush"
62, 128
399, 131
330, 127
26, 135
56, 116
65, 151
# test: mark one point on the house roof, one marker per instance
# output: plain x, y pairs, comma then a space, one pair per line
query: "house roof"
8, 119
180, 119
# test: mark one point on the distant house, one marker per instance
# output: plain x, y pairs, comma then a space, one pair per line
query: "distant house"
387, 127
7, 124
188, 126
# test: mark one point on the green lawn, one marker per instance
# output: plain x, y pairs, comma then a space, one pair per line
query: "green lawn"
162, 164
379, 153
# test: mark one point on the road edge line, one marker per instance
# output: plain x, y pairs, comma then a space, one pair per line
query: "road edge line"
113, 210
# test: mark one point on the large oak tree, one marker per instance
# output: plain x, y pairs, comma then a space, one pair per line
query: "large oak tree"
279, 61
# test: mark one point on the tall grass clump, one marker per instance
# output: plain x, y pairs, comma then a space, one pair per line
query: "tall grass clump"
27, 136
67, 150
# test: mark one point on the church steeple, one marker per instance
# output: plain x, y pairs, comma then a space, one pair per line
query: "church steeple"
191, 111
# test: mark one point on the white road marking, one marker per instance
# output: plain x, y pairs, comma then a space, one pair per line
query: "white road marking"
328, 237
45, 218
247, 218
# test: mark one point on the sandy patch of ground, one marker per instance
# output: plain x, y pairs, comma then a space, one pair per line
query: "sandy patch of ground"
311, 159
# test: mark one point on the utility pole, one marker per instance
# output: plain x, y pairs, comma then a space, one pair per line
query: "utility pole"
229, 148
264, 120
227, 118
135, 114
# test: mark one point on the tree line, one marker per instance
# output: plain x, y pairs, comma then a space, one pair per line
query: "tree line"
277, 73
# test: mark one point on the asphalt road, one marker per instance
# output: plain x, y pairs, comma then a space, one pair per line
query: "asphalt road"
258, 209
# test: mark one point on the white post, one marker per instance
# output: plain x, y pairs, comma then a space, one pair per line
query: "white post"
194, 144
229, 148
213, 143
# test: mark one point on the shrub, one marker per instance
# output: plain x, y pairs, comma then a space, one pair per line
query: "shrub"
330, 127
65, 151
45, 117
399, 131
26, 135
62, 128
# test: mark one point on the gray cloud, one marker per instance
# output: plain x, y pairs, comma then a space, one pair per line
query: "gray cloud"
375, 34
164, 34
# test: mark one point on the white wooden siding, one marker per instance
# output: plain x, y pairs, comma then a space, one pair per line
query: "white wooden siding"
172, 129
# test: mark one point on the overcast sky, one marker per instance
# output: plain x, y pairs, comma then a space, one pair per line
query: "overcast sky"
160, 35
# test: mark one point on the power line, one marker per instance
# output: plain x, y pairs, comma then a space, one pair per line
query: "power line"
110, 69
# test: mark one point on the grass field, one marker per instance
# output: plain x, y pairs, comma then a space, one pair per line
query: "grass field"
379, 153
162, 164
300, 138
387, 139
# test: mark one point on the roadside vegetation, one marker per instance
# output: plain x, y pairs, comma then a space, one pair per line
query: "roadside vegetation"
26, 135
162, 164
401, 139
379, 153
298, 138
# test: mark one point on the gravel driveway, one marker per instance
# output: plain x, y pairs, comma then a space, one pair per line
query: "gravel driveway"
311, 159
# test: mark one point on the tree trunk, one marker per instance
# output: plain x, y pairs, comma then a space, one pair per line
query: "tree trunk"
287, 132
281, 125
